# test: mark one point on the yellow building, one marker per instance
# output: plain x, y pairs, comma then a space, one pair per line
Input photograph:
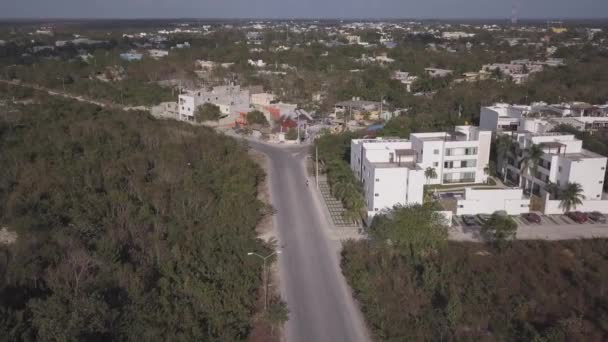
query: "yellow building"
559, 29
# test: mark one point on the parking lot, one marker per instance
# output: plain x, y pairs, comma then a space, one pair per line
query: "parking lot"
552, 227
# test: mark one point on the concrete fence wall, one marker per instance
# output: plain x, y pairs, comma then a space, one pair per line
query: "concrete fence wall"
552, 207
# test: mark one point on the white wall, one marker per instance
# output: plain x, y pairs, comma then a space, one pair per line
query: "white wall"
386, 187
488, 119
186, 106
589, 173
488, 201
552, 207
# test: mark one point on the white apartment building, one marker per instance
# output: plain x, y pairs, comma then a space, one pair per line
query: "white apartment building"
388, 171
564, 161
541, 117
392, 171
229, 99
457, 157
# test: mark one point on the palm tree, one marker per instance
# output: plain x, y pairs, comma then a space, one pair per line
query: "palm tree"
529, 161
430, 173
504, 145
571, 196
490, 169
552, 189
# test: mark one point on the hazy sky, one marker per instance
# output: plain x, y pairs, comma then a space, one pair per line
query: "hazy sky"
302, 8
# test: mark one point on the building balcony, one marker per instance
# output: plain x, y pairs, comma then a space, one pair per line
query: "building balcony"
459, 181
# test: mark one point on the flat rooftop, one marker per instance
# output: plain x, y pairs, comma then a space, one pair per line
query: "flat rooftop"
583, 154
409, 165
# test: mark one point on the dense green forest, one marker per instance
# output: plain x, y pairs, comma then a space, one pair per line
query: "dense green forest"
128, 228
530, 291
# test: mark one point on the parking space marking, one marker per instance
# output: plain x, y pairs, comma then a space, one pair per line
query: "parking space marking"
554, 219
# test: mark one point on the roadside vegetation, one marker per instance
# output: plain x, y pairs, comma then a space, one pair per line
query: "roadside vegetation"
334, 158
128, 228
523, 291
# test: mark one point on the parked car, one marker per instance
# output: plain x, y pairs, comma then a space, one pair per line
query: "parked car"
531, 217
484, 217
469, 220
597, 216
577, 216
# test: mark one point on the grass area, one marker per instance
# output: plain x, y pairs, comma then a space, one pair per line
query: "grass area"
530, 291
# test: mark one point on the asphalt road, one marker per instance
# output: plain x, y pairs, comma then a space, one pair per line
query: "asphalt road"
321, 306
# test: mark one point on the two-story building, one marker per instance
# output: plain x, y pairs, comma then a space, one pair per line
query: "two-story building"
230, 99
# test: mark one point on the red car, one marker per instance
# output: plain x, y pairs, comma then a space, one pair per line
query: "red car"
531, 217
577, 216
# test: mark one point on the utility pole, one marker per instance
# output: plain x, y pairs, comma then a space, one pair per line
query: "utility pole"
298, 114
317, 164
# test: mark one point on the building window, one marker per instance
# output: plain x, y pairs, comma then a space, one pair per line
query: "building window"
470, 151
603, 168
435, 164
601, 182
377, 195
559, 169
375, 209
377, 179
435, 151
448, 164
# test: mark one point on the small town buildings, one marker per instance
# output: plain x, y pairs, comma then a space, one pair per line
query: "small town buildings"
131, 56
405, 78
258, 63
205, 65
434, 72
541, 117
262, 99
230, 99
255, 38
356, 109
157, 54
456, 35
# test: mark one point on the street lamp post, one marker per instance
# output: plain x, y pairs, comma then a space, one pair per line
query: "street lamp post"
265, 278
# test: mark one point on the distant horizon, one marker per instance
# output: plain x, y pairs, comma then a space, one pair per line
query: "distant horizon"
574, 18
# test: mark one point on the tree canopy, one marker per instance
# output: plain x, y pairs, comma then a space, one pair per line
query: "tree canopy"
256, 117
128, 228
207, 112
415, 230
